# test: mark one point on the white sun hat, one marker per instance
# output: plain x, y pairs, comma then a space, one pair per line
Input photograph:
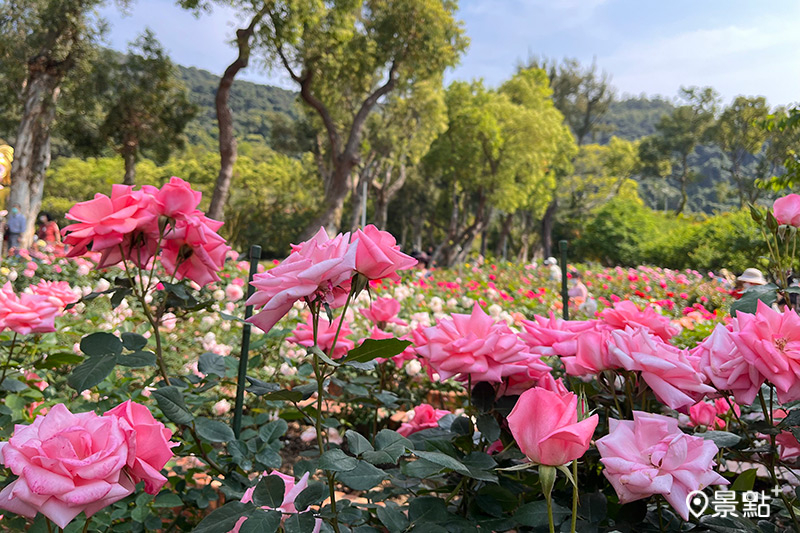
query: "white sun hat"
754, 276
550, 261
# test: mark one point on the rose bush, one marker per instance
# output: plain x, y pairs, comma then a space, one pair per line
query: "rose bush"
452, 400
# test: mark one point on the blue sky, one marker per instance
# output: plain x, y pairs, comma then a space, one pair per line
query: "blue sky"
647, 46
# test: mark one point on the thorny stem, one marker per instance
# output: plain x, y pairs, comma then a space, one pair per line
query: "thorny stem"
8, 361
574, 496
771, 462
210, 462
549, 501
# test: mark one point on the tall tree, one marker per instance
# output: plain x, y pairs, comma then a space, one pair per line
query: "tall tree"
498, 153
583, 95
398, 134
254, 11
741, 135
50, 37
678, 135
347, 55
150, 107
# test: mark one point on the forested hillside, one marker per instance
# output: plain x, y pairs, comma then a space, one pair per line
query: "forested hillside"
255, 107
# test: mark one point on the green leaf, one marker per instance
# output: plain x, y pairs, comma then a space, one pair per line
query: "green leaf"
299, 523
101, 343
745, 481
167, 499
489, 428
211, 363
223, 519
261, 521
363, 477
213, 430
56, 360
138, 359
483, 396
269, 492
392, 443
92, 371
722, 439
272, 431
284, 395
337, 461
259, 388
372, 348
315, 493
133, 341
534, 514
357, 443
748, 303
462, 426
170, 401
392, 517
323, 356
427, 509
226, 316
13, 385
443, 460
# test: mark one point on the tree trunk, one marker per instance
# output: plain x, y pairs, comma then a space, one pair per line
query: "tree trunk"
355, 200
32, 149
129, 155
505, 231
227, 138
331, 215
684, 180
381, 210
547, 228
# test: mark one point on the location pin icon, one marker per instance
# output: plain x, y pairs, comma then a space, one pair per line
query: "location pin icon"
697, 501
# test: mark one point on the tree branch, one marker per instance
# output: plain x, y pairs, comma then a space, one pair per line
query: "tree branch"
366, 106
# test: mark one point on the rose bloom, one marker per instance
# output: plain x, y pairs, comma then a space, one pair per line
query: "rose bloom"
592, 355
193, 250
175, 199
326, 333
234, 292
554, 336
318, 269
26, 313
378, 255
705, 414
545, 425
472, 345
535, 372
67, 464
770, 341
725, 365
59, 292
669, 371
788, 445
291, 491
151, 445
787, 210
625, 313
651, 455
424, 417
383, 311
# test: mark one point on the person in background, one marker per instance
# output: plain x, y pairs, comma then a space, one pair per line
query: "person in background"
750, 277
555, 273
578, 293
48, 229
16, 227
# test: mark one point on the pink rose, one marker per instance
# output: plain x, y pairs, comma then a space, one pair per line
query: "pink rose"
625, 313
651, 455
705, 414
592, 355
424, 417
473, 345
292, 490
670, 372
787, 210
320, 268
67, 464
58, 292
788, 445
536, 371
725, 365
106, 222
234, 292
553, 336
150, 445
193, 250
175, 199
26, 313
326, 333
383, 311
770, 341
546, 428
378, 254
